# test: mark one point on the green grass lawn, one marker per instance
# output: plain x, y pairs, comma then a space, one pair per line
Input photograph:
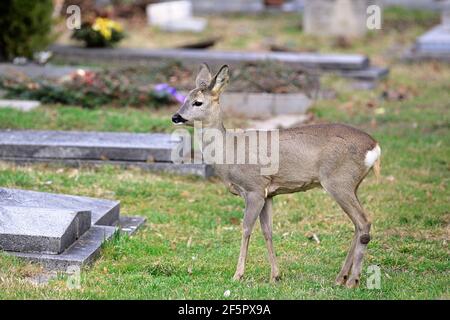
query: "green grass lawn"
189, 246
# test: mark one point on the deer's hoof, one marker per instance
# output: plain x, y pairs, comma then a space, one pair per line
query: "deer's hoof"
352, 283
341, 280
237, 276
275, 278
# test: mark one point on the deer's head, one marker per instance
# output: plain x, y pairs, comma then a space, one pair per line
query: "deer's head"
202, 103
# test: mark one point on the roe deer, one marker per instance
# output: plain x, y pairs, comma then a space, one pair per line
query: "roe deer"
335, 157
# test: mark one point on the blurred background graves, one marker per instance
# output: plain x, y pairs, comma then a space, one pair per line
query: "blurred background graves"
435, 43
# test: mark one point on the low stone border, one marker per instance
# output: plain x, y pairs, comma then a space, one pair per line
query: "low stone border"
33, 70
264, 105
83, 252
415, 56
22, 105
201, 170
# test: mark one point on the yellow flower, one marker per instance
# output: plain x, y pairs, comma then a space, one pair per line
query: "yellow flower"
116, 26
106, 26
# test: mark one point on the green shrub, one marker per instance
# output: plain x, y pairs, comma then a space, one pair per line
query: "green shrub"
25, 27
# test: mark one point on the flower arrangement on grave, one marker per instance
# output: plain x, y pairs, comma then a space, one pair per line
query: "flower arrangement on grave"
101, 32
89, 89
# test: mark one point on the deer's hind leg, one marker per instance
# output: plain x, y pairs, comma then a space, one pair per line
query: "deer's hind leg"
344, 192
265, 219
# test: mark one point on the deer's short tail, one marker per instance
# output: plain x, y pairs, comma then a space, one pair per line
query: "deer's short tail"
373, 160
377, 169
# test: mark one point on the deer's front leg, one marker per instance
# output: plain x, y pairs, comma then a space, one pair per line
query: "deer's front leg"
254, 203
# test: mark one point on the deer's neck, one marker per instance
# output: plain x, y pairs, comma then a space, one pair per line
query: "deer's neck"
216, 126
217, 121
213, 130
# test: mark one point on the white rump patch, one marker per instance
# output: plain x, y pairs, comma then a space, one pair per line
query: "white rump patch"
372, 156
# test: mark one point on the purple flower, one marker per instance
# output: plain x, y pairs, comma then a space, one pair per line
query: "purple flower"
164, 87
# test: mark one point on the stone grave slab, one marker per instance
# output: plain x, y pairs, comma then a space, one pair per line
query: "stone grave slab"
229, 6
291, 103
369, 74
43, 230
103, 212
263, 105
87, 235
201, 169
279, 122
248, 105
32, 70
86, 145
437, 40
22, 105
294, 59
82, 252
130, 225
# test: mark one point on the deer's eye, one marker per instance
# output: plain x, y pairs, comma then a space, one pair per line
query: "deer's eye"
197, 103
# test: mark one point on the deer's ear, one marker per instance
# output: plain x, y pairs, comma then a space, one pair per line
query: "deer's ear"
204, 76
219, 82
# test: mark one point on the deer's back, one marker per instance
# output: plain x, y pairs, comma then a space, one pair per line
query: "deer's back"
323, 133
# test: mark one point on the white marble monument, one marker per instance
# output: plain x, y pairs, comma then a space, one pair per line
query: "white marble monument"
174, 16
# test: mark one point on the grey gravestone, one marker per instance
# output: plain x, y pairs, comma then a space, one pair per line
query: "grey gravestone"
369, 74
82, 252
103, 212
264, 105
86, 145
129, 225
36, 71
291, 103
202, 170
43, 220
294, 59
281, 121
249, 105
437, 40
43, 230
336, 17
22, 105
445, 20
434, 44
220, 6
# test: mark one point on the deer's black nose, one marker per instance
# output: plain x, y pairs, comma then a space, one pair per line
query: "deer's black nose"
176, 118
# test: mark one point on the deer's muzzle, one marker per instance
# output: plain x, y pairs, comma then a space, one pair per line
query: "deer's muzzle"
176, 118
